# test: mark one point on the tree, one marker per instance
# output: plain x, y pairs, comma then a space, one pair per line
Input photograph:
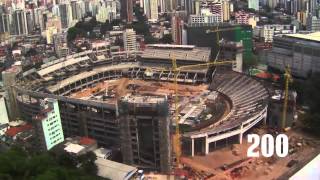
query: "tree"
250, 61
87, 162
311, 98
141, 27
149, 39
73, 32
15, 164
167, 39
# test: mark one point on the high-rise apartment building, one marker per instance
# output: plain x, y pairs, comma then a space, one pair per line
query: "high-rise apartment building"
60, 44
4, 23
190, 6
272, 3
212, 8
253, 4
65, 15
126, 11
151, 9
177, 28
313, 23
47, 125
19, 22
130, 40
242, 17
226, 10
169, 5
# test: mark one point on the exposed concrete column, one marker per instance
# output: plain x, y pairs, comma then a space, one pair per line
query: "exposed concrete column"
265, 119
241, 134
192, 147
206, 145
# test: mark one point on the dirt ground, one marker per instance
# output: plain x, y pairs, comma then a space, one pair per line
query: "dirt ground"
252, 168
120, 88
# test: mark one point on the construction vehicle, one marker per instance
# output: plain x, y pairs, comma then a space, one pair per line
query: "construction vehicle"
288, 79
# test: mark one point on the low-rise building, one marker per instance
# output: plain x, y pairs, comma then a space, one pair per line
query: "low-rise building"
79, 145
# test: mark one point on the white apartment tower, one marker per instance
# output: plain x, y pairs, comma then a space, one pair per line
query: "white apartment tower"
130, 40
151, 9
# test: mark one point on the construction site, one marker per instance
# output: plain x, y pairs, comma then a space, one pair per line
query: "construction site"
168, 110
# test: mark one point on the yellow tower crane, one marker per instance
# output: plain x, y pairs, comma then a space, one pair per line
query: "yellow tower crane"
217, 30
176, 70
288, 79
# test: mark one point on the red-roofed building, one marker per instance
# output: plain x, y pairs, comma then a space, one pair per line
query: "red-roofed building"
87, 141
13, 131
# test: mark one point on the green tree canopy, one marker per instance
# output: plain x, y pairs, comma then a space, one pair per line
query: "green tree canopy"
311, 98
15, 164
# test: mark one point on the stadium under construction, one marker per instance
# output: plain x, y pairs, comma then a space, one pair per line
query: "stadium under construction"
127, 102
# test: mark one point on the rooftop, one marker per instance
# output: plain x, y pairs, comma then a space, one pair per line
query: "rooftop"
15, 130
86, 74
86, 141
311, 36
74, 148
113, 170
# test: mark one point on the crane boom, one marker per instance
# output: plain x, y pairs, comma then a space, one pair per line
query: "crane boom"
176, 70
288, 78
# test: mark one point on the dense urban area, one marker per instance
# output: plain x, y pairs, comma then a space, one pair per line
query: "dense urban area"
158, 89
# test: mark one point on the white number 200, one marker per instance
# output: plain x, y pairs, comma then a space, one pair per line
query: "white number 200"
267, 145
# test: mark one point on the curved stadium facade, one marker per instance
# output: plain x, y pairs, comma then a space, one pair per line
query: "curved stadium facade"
126, 102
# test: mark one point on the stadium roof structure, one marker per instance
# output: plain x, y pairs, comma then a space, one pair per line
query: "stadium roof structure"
186, 53
86, 74
60, 65
311, 36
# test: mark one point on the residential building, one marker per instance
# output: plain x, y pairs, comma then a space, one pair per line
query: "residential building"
242, 17
5, 23
313, 23
204, 19
302, 17
226, 10
191, 6
48, 127
19, 22
151, 9
253, 4
4, 118
177, 29
130, 40
127, 10
65, 15
60, 44
267, 33
53, 26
